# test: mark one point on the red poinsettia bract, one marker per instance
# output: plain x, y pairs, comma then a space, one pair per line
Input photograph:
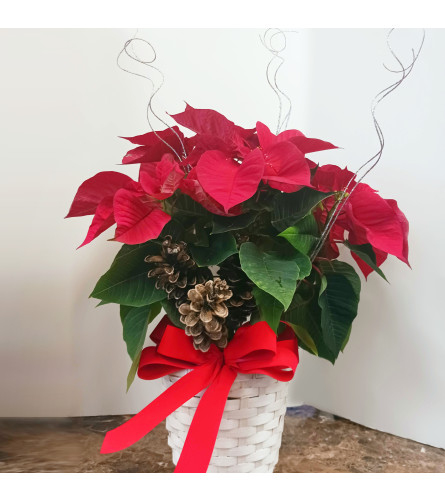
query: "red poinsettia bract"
231, 162
227, 181
161, 179
112, 198
367, 217
154, 145
286, 168
138, 218
220, 167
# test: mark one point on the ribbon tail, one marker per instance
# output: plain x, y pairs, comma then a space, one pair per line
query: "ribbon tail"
201, 438
142, 423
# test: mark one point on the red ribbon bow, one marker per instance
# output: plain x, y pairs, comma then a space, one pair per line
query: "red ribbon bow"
253, 349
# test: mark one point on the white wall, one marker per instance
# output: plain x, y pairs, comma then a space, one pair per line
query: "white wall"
64, 102
392, 374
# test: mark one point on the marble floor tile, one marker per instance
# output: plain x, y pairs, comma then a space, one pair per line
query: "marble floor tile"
313, 441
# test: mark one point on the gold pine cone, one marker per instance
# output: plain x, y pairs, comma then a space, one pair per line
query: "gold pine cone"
204, 314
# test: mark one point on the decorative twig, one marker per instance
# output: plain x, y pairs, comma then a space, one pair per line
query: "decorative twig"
405, 72
270, 43
155, 89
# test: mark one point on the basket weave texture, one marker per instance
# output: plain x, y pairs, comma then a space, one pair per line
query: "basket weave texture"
249, 437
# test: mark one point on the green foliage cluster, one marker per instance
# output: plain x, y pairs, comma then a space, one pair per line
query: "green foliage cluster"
274, 237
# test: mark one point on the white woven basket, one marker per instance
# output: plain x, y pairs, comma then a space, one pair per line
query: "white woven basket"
249, 436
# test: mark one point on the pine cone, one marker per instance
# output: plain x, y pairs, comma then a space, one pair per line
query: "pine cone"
242, 303
205, 312
175, 271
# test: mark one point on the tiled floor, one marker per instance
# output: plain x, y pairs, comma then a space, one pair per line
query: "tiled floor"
312, 442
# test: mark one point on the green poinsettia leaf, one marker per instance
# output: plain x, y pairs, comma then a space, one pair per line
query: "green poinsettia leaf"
126, 281
133, 370
308, 225
367, 254
272, 271
129, 250
174, 229
304, 312
290, 208
135, 322
338, 299
255, 316
225, 224
123, 311
346, 339
184, 206
325, 308
172, 312
304, 264
220, 247
304, 337
303, 236
197, 235
103, 303
270, 309
328, 267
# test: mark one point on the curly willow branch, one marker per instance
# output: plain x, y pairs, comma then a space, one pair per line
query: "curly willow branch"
374, 160
129, 44
271, 40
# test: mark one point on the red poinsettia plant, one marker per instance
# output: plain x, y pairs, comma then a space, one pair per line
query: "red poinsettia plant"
220, 229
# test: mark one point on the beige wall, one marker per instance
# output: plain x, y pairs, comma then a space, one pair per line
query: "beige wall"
63, 105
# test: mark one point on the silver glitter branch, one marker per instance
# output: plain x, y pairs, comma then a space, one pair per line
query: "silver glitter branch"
271, 40
374, 160
129, 44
